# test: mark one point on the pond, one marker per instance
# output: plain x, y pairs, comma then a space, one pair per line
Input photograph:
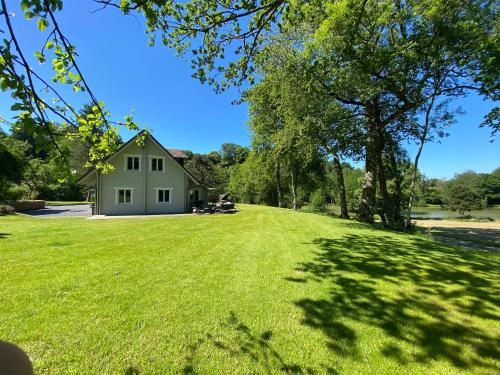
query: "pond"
438, 213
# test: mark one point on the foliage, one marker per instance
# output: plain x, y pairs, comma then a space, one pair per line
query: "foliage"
38, 174
210, 170
251, 182
353, 179
232, 153
383, 61
12, 164
264, 291
462, 197
6, 209
318, 201
432, 191
331, 79
42, 110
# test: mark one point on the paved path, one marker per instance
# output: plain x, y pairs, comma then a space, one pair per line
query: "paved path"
105, 217
61, 211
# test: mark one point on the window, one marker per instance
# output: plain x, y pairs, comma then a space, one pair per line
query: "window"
133, 163
163, 195
124, 195
157, 164
194, 195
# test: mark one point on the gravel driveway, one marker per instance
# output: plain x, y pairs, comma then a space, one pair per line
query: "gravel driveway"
60, 211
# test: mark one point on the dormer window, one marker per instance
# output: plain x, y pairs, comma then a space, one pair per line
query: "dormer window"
157, 164
132, 163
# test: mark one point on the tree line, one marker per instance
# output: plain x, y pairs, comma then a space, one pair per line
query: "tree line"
337, 80
250, 175
254, 178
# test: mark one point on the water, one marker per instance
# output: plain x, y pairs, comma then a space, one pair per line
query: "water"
437, 213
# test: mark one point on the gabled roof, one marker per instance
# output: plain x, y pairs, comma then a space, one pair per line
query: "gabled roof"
167, 151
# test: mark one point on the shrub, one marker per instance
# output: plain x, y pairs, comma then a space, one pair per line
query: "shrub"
318, 201
5, 209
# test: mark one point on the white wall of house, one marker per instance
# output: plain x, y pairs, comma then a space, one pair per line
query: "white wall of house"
144, 182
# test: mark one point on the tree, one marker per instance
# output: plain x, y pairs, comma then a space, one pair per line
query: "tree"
201, 167
491, 186
285, 101
207, 168
280, 134
462, 198
392, 61
232, 153
252, 181
381, 59
12, 157
42, 109
37, 177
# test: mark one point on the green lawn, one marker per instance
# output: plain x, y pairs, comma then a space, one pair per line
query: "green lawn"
265, 290
65, 203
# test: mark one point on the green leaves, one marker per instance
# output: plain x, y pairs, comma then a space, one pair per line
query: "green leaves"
40, 57
29, 15
42, 24
221, 38
45, 118
17, 107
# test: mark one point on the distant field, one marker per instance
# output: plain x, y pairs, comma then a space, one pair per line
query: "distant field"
262, 291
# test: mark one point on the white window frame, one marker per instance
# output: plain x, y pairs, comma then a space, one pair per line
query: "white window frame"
117, 194
151, 157
158, 195
132, 156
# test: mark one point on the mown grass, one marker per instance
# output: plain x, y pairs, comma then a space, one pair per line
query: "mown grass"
265, 290
66, 203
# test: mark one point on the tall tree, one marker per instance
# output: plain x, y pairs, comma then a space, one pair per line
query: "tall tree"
379, 58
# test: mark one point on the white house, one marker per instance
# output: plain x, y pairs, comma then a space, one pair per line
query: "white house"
147, 179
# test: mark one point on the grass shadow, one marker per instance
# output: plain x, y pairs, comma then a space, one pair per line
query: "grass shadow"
237, 339
420, 294
4, 235
480, 238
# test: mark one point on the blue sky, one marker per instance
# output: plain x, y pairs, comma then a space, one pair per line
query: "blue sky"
156, 86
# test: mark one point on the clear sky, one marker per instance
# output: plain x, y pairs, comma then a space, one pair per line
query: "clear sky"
154, 84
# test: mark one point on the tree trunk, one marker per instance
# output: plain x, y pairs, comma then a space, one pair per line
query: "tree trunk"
397, 182
294, 191
340, 180
367, 203
278, 185
415, 164
386, 198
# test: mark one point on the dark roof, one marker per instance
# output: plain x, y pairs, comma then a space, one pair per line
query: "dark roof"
178, 154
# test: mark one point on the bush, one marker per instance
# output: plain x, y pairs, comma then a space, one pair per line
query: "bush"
462, 198
5, 209
318, 201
